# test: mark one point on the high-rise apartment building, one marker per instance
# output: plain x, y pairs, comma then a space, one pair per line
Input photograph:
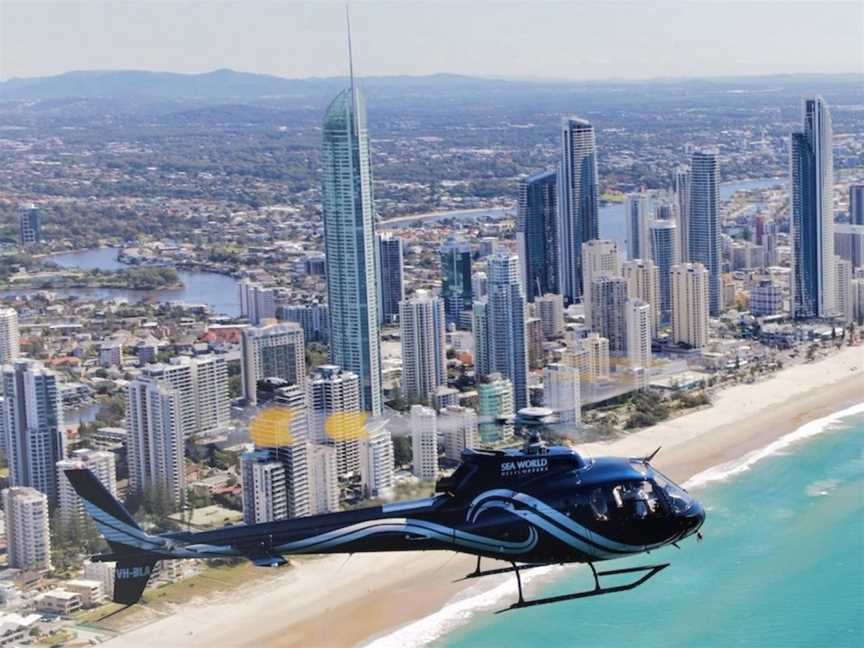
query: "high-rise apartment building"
272, 351
294, 453
202, 387
257, 303
590, 355
29, 225
690, 297
843, 299
599, 257
391, 287
323, 479
495, 408
682, 203
27, 529
856, 204
638, 222
457, 289
424, 359
349, 245
537, 234
376, 460
424, 443
664, 247
638, 320
32, 425
578, 202
335, 417
550, 309
643, 283
265, 489
704, 234
313, 319
608, 296
100, 463
155, 440
811, 171
9, 339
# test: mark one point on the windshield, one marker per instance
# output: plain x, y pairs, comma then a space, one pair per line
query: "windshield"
679, 500
632, 500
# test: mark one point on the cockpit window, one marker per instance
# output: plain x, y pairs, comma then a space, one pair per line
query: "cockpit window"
632, 500
678, 498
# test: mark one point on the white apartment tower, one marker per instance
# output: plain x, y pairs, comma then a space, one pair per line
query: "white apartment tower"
638, 222
608, 297
424, 361
265, 488
335, 416
100, 463
424, 443
155, 438
272, 351
690, 296
376, 460
257, 303
27, 529
9, 341
458, 428
599, 257
550, 309
323, 479
643, 283
638, 320
32, 425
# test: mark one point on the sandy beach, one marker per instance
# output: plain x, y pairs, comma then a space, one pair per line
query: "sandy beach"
341, 601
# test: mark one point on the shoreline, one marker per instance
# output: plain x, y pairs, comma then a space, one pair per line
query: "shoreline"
339, 601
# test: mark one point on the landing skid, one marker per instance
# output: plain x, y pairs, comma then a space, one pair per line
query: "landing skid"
477, 573
650, 571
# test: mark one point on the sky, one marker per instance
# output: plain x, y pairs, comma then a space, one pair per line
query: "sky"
576, 39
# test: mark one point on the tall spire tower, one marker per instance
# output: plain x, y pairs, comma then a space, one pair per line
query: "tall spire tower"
349, 240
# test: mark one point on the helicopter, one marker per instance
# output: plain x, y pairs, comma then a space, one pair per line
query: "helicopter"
530, 507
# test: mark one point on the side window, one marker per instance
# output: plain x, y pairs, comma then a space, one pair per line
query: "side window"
599, 505
636, 501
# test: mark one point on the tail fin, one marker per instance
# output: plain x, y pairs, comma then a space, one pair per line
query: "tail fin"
135, 551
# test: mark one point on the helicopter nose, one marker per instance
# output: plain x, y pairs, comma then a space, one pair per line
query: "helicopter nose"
693, 519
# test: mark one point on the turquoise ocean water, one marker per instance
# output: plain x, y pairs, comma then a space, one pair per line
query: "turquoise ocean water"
782, 565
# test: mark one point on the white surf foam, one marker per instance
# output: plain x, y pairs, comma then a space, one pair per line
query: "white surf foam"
743, 464
458, 612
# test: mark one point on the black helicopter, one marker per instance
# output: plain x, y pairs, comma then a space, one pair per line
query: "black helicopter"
530, 507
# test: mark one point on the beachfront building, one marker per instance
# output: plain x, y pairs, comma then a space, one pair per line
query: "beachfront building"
766, 298
291, 434
637, 317
424, 443
638, 222
100, 463
562, 392
590, 355
690, 298
608, 297
265, 489
643, 284
391, 288
27, 530
323, 479
348, 214
578, 202
272, 351
811, 162
376, 460
32, 425
843, 279
424, 359
495, 410
704, 225
10, 346
335, 417
457, 288
664, 246
550, 309
537, 234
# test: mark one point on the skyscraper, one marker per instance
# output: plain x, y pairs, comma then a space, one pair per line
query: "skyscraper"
643, 283
599, 257
265, 490
376, 460
682, 201
27, 529
638, 320
665, 254
638, 221
424, 361
272, 351
608, 296
29, 225
704, 225
323, 479
391, 287
349, 244
456, 284
811, 163
458, 429
155, 438
537, 234
9, 339
424, 443
32, 425
690, 295
504, 324
578, 202
843, 279
294, 452
257, 303
550, 309
334, 397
